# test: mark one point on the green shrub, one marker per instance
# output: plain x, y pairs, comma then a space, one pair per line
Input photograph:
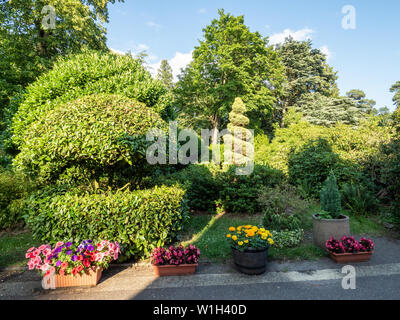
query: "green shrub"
199, 182
359, 199
287, 239
281, 222
139, 221
282, 199
239, 194
98, 135
330, 197
13, 191
87, 73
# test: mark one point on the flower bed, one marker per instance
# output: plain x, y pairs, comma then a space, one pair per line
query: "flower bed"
348, 249
68, 265
175, 260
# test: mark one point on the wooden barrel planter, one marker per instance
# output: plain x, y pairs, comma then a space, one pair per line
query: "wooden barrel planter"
251, 262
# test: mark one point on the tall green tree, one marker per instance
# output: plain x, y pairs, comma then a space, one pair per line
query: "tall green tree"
34, 32
306, 71
396, 89
327, 111
230, 61
366, 105
165, 74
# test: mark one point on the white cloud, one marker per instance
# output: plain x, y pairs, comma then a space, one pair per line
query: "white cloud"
325, 50
178, 62
152, 24
142, 47
202, 11
299, 35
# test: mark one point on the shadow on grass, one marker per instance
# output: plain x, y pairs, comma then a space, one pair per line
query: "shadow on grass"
208, 233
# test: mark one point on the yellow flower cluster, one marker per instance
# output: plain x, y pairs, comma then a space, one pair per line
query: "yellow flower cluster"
242, 234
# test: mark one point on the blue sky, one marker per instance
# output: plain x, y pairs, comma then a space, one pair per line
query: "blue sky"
366, 58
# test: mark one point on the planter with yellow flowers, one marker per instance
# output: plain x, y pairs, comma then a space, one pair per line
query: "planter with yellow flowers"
250, 248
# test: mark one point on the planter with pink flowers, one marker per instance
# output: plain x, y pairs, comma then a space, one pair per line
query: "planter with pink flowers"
349, 250
68, 265
176, 261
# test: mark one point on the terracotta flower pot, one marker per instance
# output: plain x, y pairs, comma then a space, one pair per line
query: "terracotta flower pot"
252, 262
351, 257
171, 270
89, 279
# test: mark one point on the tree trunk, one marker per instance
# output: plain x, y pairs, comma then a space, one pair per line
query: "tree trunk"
215, 131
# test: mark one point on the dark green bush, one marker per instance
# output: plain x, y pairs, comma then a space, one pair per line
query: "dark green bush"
98, 135
309, 167
359, 199
239, 194
139, 221
87, 73
13, 191
200, 184
281, 222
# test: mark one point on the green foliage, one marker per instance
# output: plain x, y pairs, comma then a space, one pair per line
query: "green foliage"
358, 199
230, 61
330, 197
239, 194
364, 104
27, 48
98, 135
282, 199
199, 182
84, 74
238, 140
281, 222
327, 111
306, 71
165, 75
139, 221
287, 238
13, 191
396, 89
312, 164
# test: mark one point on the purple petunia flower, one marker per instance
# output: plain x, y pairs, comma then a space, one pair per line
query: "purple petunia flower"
68, 244
74, 258
90, 248
58, 263
69, 252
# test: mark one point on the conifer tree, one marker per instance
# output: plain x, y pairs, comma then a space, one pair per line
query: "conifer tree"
330, 197
165, 74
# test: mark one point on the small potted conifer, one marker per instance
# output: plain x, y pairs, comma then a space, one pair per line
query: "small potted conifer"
330, 222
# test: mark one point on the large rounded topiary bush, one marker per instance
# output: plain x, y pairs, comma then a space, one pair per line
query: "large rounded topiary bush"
87, 138
84, 74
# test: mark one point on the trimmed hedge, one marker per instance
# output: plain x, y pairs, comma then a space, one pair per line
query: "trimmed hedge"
88, 138
86, 73
140, 221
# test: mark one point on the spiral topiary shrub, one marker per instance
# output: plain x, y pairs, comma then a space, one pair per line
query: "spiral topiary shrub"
95, 136
87, 73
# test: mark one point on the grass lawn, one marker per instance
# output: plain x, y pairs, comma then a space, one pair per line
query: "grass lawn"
208, 233
13, 248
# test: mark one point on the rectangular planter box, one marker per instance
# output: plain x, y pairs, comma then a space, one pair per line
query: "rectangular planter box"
180, 270
89, 279
351, 257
